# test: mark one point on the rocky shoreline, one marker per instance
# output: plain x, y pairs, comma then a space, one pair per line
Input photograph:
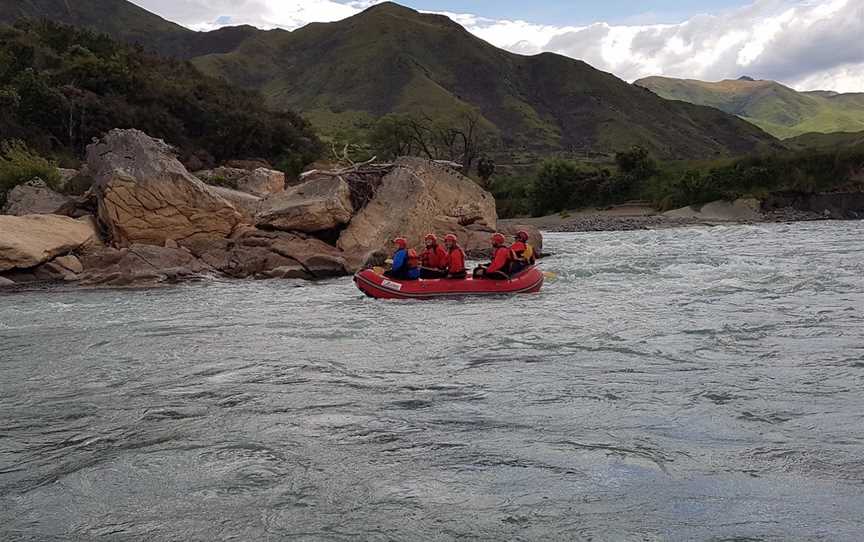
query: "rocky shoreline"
146, 220
746, 211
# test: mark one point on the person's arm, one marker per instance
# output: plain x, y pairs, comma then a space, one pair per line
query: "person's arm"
499, 261
443, 258
457, 262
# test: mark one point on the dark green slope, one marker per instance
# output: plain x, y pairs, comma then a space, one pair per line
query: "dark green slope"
777, 109
393, 59
125, 21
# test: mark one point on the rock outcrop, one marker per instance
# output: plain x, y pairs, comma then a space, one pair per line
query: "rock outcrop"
33, 198
416, 197
259, 181
140, 265
321, 204
28, 241
258, 253
744, 209
146, 196
246, 204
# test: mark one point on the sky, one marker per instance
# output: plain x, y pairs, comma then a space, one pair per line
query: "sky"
806, 44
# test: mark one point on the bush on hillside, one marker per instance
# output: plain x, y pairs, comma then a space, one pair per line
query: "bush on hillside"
61, 86
19, 164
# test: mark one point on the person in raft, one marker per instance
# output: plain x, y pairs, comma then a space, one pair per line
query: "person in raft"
522, 253
500, 261
433, 261
455, 258
406, 264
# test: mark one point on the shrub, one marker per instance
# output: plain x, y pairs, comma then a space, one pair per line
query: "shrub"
19, 164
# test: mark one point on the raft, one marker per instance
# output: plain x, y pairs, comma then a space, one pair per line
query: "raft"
378, 286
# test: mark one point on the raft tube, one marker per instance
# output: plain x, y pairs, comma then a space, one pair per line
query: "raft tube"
378, 286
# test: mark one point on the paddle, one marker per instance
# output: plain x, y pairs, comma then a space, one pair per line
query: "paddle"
550, 275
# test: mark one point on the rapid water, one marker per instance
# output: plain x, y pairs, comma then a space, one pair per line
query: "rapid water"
685, 384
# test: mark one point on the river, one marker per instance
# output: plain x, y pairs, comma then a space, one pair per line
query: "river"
681, 384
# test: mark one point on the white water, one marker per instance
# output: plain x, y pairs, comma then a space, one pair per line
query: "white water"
689, 384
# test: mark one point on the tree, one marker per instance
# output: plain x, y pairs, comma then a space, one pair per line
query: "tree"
485, 169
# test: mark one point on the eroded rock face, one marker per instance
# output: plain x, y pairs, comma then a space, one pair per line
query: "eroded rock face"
258, 253
146, 196
28, 241
415, 198
140, 265
33, 198
321, 204
259, 181
246, 204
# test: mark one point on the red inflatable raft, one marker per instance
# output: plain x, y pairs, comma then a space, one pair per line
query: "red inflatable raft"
378, 286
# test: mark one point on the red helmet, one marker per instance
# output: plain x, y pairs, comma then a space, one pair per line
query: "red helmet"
401, 241
498, 239
451, 238
522, 235
431, 237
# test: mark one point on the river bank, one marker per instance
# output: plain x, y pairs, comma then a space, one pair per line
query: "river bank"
640, 216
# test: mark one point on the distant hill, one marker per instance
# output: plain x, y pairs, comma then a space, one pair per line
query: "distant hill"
833, 141
777, 109
393, 59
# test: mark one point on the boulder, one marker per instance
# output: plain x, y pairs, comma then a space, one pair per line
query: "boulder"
321, 204
5, 283
262, 182
28, 241
259, 182
246, 204
744, 209
140, 265
146, 196
417, 197
258, 253
33, 198
66, 175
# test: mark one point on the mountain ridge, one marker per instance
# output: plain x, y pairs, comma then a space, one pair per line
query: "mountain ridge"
393, 59
776, 108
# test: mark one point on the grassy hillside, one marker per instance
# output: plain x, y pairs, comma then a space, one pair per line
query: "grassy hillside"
777, 109
390, 59
394, 59
836, 140
61, 86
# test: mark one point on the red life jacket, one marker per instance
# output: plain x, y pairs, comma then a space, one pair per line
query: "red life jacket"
434, 258
413, 260
456, 261
500, 259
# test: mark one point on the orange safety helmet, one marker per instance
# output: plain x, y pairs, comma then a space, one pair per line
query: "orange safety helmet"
401, 241
498, 239
450, 237
431, 237
522, 235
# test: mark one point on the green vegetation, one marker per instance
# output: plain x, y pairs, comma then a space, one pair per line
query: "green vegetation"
559, 184
777, 109
61, 86
393, 60
19, 164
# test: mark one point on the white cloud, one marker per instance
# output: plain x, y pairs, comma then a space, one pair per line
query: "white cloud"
804, 43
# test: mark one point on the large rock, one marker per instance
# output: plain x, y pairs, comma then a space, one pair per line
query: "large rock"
33, 198
246, 204
744, 209
321, 204
417, 197
28, 241
259, 182
146, 195
139, 265
259, 253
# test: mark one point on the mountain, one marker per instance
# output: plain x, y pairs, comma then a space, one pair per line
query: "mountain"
777, 109
125, 21
391, 59
832, 141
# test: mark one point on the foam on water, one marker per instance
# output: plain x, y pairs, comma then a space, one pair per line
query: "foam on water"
686, 384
